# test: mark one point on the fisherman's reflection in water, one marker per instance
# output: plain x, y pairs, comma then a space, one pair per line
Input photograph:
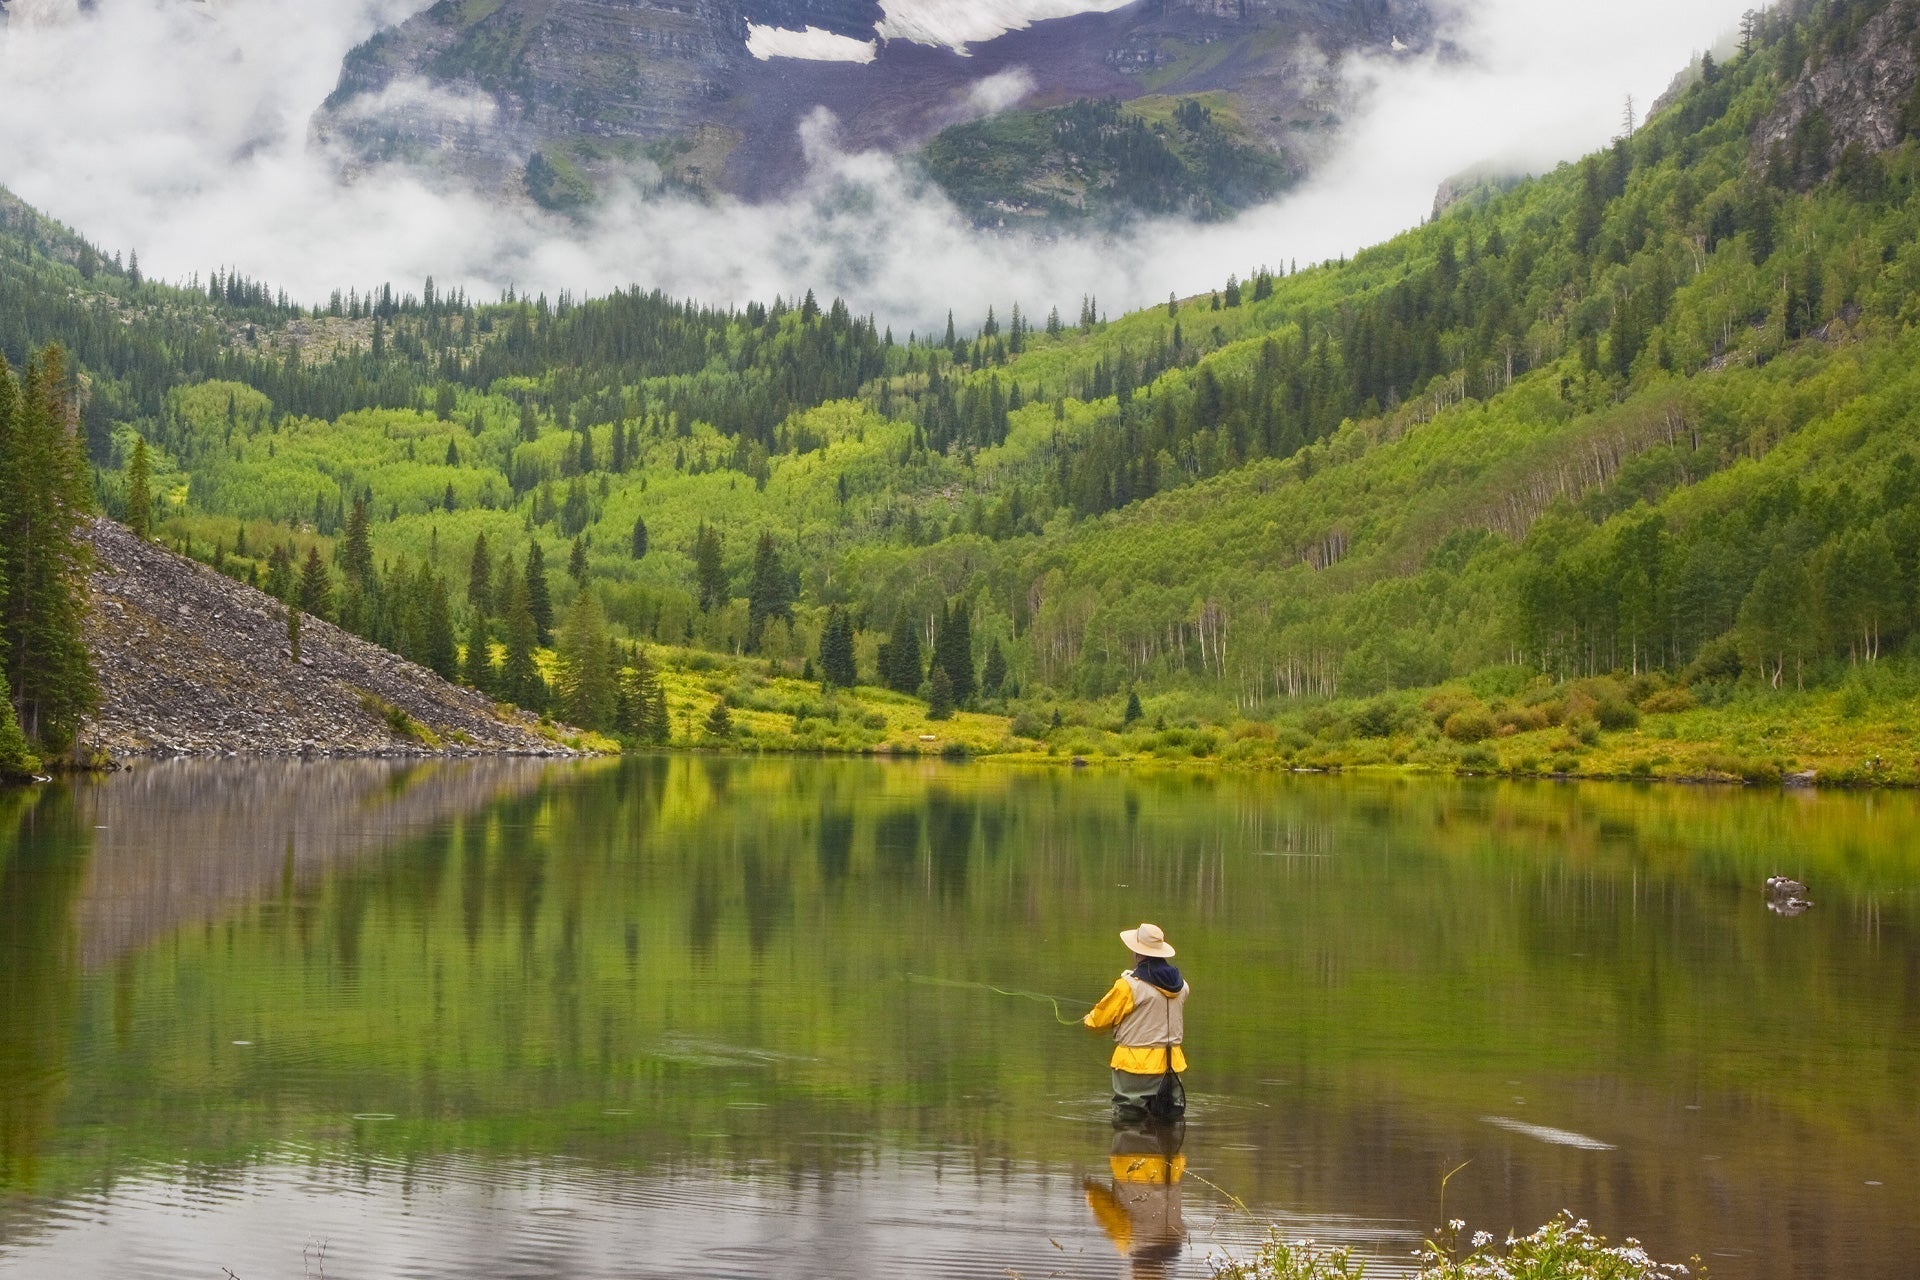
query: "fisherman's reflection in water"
1139, 1208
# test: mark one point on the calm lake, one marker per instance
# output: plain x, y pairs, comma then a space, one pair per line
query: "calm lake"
697, 1017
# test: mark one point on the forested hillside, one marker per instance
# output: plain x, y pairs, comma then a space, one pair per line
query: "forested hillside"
1633, 438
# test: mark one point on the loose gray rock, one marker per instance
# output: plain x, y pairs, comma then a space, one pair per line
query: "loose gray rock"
192, 663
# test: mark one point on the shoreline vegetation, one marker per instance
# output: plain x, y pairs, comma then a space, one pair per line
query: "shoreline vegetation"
1508, 724
1565, 1248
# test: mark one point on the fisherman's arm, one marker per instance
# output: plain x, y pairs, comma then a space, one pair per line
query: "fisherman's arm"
1115, 1005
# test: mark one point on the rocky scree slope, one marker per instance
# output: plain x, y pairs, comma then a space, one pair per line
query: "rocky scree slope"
553, 98
191, 662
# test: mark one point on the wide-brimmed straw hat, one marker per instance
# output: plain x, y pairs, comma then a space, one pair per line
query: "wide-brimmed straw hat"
1147, 940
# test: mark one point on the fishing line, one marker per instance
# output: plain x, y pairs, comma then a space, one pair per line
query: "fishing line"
1055, 1001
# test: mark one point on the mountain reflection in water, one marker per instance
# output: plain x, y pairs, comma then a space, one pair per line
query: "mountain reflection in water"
655, 1017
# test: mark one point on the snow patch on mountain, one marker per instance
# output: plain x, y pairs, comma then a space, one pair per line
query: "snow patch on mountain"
812, 44
959, 23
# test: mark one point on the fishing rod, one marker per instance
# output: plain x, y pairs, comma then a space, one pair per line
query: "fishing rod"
1055, 1001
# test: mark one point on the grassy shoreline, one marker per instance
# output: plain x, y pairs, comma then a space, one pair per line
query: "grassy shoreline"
1601, 728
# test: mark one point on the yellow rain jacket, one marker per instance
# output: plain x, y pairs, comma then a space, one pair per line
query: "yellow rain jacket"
1145, 1020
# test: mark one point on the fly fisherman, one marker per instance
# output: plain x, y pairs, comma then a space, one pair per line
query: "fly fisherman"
1146, 1010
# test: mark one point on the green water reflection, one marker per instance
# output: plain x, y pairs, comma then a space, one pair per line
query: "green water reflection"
674, 965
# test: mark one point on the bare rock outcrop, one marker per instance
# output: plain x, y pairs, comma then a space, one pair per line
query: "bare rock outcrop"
1858, 95
191, 662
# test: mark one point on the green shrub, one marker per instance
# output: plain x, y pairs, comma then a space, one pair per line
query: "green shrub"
1441, 704
1027, 725
1854, 701
1525, 719
1668, 701
1479, 759
1470, 724
1379, 718
1617, 714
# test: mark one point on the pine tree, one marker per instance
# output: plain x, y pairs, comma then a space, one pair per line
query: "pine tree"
586, 679
140, 491
639, 538
643, 703
356, 549
577, 561
940, 695
520, 679
769, 595
1133, 711
710, 574
954, 652
539, 602
17, 760
45, 492
316, 587
478, 670
900, 666
836, 650
720, 720
279, 583
994, 678
480, 577
437, 644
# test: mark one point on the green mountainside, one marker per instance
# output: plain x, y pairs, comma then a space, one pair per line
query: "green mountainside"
1614, 471
1104, 161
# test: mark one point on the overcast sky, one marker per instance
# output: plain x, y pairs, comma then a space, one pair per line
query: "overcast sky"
180, 128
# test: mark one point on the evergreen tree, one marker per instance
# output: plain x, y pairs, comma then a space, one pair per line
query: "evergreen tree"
316, 587
480, 577
710, 574
17, 760
438, 648
587, 682
836, 650
577, 561
939, 695
769, 596
643, 703
1133, 711
720, 720
953, 648
639, 539
140, 491
539, 602
44, 497
356, 548
279, 583
478, 669
994, 678
520, 679
900, 666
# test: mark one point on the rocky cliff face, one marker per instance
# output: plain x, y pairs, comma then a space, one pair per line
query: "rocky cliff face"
193, 663
1861, 91
551, 97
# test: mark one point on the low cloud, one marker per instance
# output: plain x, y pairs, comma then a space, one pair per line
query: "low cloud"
182, 130
1000, 91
